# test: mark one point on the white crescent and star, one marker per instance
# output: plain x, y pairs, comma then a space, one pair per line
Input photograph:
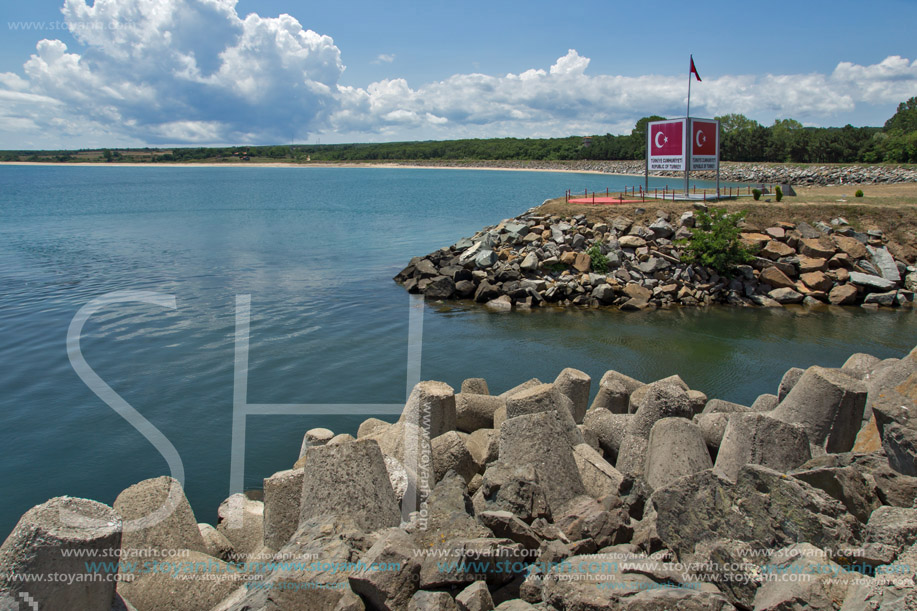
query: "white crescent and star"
664, 139
700, 138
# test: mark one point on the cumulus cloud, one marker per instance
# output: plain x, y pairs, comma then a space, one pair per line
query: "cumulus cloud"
195, 71
384, 58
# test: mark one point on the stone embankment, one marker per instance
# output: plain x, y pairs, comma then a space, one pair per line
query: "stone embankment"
759, 173
536, 260
651, 497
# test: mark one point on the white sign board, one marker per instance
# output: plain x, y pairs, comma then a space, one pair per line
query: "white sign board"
705, 144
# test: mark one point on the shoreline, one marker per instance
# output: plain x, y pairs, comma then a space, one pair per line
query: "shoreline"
730, 172
348, 165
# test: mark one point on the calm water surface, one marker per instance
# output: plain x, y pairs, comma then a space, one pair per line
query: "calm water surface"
315, 249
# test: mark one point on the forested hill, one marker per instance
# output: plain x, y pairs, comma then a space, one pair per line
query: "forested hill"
743, 139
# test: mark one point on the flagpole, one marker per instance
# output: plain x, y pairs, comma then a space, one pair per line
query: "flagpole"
690, 146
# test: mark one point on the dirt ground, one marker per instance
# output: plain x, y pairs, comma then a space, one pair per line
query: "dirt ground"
889, 208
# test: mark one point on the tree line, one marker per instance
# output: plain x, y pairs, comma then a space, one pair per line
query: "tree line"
743, 139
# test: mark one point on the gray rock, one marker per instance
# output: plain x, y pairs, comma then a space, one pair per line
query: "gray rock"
503, 303
714, 406
349, 480
785, 295
609, 428
242, 522
475, 597
431, 601
765, 403
315, 437
392, 587
484, 446
461, 557
892, 526
211, 581
545, 398
859, 365
603, 523
599, 478
218, 545
639, 394
434, 403
451, 453
766, 510
282, 493
539, 440
888, 299
885, 263
788, 382
575, 385
847, 485
476, 411
369, 427
662, 400
513, 489
869, 280
475, 386
826, 583
676, 449
37, 546
162, 518
604, 293
712, 427
758, 439
614, 392
829, 405
505, 525
529, 263
442, 287
521, 387
448, 516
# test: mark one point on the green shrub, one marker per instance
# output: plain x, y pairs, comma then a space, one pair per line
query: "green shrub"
599, 261
859, 193
715, 242
756, 193
778, 193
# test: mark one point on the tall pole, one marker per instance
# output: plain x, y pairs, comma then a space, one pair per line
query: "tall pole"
690, 145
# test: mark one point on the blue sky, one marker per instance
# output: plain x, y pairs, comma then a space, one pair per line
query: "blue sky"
78, 73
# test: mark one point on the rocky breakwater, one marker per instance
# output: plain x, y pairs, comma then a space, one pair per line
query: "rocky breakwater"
651, 497
635, 262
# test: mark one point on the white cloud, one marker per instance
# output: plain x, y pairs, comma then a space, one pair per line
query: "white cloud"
384, 58
194, 71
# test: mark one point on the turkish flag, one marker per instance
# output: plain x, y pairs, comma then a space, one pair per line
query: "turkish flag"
703, 137
666, 138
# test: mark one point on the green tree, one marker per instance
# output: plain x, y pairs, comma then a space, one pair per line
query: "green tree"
715, 242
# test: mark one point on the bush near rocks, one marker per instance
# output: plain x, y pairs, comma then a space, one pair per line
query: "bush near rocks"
675, 480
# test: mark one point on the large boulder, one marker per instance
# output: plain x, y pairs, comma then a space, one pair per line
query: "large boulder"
676, 449
609, 428
829, 405
599, 478
539, 440
846, 484
614, 392
451, 453
476, 411
824, 586
661, 400
431, 405
389, 571
242, 522
764, 508
282, 495
55, 538
159, 516
575, 385
349, 480
545, 398
191, 580
758, 439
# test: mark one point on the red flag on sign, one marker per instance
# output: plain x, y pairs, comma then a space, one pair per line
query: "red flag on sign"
666, 138
693, 69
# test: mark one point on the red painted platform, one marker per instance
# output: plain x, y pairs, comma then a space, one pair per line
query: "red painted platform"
607, 201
